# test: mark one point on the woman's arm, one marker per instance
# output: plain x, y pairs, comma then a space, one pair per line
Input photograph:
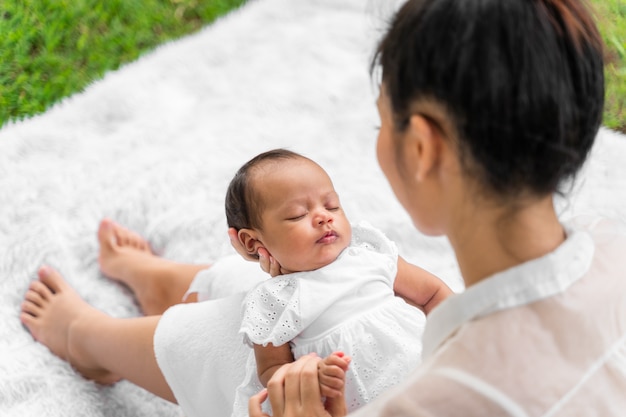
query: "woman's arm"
419, 287
269, 358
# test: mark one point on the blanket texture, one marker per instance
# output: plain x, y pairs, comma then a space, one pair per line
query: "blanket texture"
154, 145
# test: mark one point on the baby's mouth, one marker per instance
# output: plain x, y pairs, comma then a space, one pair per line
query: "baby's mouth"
329, 237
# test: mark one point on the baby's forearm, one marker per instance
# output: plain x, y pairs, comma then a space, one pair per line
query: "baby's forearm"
270, 358
267, 374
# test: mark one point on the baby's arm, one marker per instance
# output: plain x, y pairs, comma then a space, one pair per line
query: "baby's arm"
332, 374
419, 287
269, 358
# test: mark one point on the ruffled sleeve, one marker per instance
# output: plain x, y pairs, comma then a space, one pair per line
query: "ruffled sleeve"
271, 312
365, 236
382, 252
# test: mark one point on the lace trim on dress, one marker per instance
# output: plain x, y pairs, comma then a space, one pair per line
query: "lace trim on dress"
266, 307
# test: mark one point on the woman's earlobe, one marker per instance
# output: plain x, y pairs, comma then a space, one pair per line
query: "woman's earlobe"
424, 143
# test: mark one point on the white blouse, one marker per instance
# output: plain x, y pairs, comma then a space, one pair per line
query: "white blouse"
545, 338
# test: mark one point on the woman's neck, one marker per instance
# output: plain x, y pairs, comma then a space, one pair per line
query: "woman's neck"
491, 239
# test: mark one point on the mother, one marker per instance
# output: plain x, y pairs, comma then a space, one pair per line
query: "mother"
487, 107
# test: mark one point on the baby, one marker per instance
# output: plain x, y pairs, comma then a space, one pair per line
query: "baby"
336, 292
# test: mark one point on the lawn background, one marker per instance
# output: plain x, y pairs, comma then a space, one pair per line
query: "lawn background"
50, 49
611, 18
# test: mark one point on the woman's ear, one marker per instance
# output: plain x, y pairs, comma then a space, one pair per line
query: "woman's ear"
250, 241
424, 146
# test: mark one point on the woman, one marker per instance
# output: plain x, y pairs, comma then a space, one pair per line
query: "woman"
486, 108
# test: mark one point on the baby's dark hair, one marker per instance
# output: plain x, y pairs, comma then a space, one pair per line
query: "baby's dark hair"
520, 80
243, 205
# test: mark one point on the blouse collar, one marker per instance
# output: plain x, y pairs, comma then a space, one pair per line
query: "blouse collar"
531, 281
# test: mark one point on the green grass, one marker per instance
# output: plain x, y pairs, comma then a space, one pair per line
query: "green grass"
611, 17
50, 49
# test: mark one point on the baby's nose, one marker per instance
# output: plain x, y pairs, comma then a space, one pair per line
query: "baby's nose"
324, 217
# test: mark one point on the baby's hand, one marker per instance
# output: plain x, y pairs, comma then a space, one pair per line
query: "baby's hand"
332, 374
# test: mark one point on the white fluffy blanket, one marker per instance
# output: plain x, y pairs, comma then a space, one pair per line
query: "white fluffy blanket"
154, 145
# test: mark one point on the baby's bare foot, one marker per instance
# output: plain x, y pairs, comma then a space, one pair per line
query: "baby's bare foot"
50, 310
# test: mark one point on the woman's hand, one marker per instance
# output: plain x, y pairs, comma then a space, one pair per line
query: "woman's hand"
294, 391
267, 262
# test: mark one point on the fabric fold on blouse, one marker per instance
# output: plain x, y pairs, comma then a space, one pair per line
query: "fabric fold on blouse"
534, 280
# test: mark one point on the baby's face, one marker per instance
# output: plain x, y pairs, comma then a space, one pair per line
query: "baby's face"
303, 224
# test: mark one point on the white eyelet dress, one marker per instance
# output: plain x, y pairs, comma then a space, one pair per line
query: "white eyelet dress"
347, 306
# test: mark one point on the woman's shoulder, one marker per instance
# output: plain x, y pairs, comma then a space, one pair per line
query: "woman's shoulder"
608, 234
597, 225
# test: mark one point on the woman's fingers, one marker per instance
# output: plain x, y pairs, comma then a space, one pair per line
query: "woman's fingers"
269, 264
254, 404
294, 391
264, 261
336, 407
307, 375
282, 391
294, 388
273, 267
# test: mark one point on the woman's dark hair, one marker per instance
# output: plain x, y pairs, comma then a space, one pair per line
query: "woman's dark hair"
522, 82
243, 205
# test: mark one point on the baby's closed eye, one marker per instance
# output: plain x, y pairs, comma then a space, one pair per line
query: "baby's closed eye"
296, 217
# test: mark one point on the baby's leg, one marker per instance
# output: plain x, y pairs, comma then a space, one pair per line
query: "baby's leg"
156, 282
100, 347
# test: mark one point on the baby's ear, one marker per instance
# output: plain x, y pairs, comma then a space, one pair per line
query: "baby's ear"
249, 240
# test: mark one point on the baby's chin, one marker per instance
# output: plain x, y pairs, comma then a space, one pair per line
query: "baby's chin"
324, 260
